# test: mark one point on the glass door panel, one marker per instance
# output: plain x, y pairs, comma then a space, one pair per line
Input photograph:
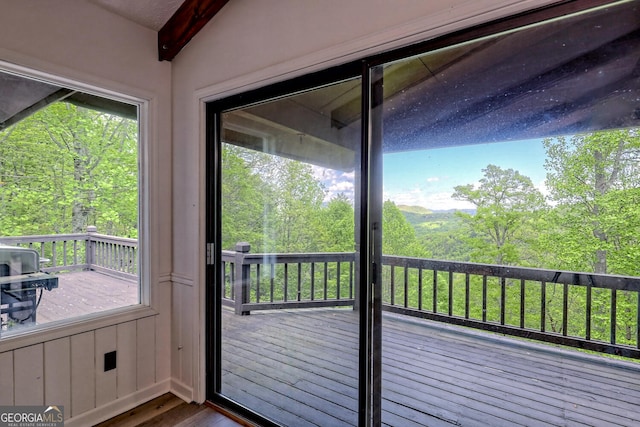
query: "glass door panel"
507, 161
289, 214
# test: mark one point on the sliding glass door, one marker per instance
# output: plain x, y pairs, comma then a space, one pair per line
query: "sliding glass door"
289, 266
508, 161
369, 236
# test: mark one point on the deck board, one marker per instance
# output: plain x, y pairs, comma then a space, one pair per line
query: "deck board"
85, 292
518, 383
299, 367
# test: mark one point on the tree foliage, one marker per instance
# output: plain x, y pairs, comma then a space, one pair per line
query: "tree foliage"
246, 202
594, 181
277, 205
336, 225
67, 167
398, 237
506, 202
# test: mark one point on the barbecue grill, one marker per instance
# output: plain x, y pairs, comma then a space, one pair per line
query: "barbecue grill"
21, 285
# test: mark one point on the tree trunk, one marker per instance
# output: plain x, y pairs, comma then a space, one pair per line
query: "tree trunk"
601, 262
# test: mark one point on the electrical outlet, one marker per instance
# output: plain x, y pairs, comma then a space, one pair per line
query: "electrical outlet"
110, 361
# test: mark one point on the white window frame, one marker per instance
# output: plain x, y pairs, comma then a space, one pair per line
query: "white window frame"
83, 323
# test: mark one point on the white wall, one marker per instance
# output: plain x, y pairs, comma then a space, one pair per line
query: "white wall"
250, 44
79, 42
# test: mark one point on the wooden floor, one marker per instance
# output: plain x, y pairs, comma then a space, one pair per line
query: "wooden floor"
170, 411
299, 368
85, 292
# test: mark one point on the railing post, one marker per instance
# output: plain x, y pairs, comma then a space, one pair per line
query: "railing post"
91, 246
242, 281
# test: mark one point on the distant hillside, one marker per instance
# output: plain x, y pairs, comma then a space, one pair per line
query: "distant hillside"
416, 215
423, 219
414, 209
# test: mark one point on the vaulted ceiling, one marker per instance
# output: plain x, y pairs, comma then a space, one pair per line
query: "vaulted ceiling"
152, 14
176, 21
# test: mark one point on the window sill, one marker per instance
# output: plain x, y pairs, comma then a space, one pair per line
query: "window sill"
65, 328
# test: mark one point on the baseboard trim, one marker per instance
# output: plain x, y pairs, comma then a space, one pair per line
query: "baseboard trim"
119, 406
181, 390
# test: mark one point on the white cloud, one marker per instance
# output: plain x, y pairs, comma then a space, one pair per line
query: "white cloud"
335, 182
341, 186
434, 200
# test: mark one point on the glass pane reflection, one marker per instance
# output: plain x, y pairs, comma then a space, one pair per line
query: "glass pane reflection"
290, 173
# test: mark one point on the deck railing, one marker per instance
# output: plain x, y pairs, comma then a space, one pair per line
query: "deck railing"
275, 281
111, 255
590, 311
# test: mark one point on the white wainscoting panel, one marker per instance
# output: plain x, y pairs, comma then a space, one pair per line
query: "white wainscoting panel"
83, 373
28, 374
146, 352
57, 374
163, 331
184, 338
6, 378
127, 353
106, 382
69, 371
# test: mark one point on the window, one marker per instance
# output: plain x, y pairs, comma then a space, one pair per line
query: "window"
69, 217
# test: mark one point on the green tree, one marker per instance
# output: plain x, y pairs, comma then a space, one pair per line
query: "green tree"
506, 204
66, 167
247, 201
335, 226
269, 201
594, 181
299, 198
398, 236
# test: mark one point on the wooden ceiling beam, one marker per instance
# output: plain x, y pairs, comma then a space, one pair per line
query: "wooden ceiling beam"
185, 23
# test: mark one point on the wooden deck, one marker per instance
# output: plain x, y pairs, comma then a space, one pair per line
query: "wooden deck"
85, 292
298, 367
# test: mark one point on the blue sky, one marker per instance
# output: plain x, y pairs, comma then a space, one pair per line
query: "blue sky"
426, 178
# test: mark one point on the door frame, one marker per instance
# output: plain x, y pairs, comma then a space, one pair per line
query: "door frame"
213, 270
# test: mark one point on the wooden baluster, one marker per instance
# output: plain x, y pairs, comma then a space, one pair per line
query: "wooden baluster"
299, 281
565, 309
522, 303
614, 315
286, 282
450, 311
351, 280
326, 279
393, 285
543, 306
242, 280
435, 291
406, 287
467, 284
588, 309
272, 281
257, 282
338, 280
484, 298
420, 288
503, 300
313, 281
